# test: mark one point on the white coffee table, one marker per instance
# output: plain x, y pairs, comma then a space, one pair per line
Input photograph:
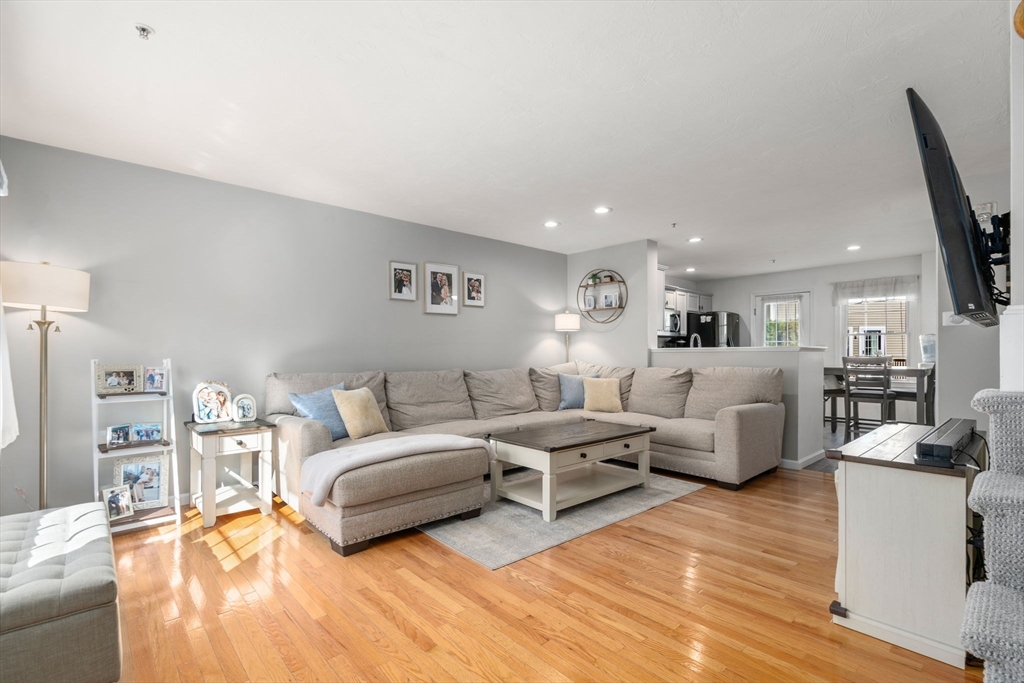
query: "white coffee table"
569, 459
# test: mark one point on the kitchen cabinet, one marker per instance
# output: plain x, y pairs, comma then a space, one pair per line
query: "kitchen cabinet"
670, 299
705, 304
692, 302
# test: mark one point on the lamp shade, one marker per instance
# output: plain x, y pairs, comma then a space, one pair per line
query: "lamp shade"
567, 322
34, 285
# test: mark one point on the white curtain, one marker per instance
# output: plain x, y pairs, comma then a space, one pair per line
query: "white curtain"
877, 288
8, 416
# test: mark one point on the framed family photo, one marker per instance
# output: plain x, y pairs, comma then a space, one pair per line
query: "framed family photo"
118, 379
243, 408
146, 479
119, 436
147, 432
211, 402
402, 281
119, 502
155, 380
441, 288
475, 289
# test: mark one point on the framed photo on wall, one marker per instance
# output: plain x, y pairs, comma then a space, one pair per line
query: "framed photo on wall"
441, 288
474, 285
146, 479
402, 281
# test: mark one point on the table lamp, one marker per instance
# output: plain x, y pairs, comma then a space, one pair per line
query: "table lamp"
44, 287
567, 322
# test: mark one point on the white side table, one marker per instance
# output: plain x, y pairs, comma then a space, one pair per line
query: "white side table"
209, 441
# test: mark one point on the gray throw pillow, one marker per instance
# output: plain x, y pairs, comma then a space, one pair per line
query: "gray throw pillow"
320, 406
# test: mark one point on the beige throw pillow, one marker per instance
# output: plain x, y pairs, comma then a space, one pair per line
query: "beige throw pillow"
599, 395
360, 412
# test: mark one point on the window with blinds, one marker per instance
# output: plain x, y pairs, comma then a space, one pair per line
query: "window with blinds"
780, 319
877, 327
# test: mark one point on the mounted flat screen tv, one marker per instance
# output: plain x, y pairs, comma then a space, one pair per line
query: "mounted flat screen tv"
966, 249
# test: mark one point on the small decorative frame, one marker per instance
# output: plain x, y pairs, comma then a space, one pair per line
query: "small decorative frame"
146, 479
474, 287
402, 281
243, 408
211, 402
119, 502
119, 436
118, 379
147, 432
154, 380
441, 288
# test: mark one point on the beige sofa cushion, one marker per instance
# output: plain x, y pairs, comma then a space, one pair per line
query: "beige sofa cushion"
476, 429
278, 385
496, 393
660, 391
359, 412
423, 398
717, 388
683, 432
545, 384
541, 418
601, 395
624, 375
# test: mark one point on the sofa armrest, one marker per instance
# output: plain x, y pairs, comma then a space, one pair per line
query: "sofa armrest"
748, 440
297, 439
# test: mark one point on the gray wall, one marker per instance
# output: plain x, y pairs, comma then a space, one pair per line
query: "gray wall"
625, 341
232, 284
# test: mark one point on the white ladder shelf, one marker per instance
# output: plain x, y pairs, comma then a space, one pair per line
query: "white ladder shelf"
150, 516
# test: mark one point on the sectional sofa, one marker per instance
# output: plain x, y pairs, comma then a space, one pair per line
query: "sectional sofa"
719, 423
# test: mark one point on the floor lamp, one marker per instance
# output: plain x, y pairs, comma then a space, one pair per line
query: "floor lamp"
567, 322
46, 288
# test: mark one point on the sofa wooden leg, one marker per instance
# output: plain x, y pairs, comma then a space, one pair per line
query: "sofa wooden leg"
772, 470
729, 486
350, 549
470, 514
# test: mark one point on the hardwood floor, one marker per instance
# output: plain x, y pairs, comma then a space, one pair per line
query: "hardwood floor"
716, 586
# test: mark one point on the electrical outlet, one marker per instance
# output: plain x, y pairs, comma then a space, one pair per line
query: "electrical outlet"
951, 319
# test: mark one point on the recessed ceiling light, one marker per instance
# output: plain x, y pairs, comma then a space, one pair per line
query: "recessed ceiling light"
551, 224
853, 247
690, 270
603, 209
696, 239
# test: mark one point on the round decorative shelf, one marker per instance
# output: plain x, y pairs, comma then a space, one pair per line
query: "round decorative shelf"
602, 296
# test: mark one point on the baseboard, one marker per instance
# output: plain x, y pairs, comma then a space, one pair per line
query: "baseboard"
948, 654
803, 462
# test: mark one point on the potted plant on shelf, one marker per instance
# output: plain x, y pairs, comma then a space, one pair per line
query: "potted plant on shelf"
594, 278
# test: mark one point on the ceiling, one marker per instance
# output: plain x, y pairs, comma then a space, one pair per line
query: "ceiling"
777, 131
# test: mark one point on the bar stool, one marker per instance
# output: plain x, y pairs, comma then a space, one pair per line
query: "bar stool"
868, 379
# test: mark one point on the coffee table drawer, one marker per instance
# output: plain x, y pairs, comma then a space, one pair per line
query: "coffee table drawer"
576, 456
626, 446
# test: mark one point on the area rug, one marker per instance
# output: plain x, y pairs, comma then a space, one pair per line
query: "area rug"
506, 531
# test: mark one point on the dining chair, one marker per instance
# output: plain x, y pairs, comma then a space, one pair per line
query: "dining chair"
867, 379
832, 391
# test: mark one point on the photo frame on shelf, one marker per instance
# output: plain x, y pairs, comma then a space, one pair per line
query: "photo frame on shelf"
118, 379
147, 432
474, 286
441, 288
402, 281
211, 402
146, 479
154, 380
119, 436
243, 408
119, 502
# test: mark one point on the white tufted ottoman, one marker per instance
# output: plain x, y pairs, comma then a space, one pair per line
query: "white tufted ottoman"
58, 597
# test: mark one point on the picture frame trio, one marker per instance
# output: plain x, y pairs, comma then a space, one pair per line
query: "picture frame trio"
441, 286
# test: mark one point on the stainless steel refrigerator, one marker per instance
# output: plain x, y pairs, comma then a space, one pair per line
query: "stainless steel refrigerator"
718, 328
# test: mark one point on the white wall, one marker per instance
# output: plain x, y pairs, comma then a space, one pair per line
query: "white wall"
625, 341
735, 295
233, 284
1011, 326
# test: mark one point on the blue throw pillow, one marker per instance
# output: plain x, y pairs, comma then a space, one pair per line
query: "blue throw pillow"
320, 406
571, 387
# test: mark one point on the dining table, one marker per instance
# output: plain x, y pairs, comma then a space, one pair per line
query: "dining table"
923, 392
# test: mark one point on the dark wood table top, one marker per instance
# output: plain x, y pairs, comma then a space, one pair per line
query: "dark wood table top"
564, 437
923, 370
895, 445
229, 427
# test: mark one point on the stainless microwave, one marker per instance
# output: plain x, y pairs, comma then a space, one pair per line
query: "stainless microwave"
672, 325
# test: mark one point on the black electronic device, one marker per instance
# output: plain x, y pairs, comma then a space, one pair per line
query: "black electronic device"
968, 252
941, 446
